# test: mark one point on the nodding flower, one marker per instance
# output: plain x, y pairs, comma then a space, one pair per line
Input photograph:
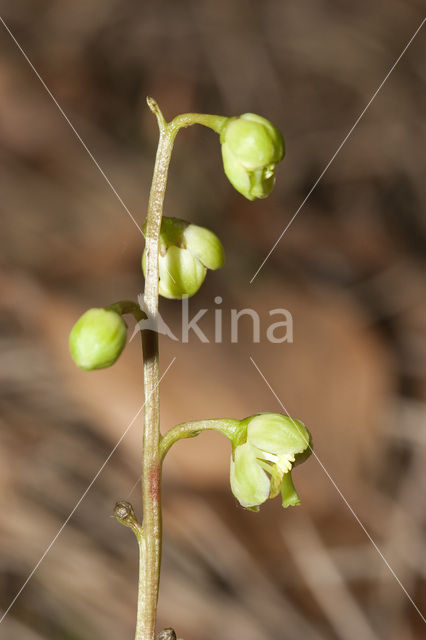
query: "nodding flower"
261, 466
251, 147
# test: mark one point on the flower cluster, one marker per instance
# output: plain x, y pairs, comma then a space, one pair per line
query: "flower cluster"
265, 447
262, 460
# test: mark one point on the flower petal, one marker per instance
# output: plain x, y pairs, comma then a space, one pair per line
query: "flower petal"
204, 245
180, 273
249, 483
277, 434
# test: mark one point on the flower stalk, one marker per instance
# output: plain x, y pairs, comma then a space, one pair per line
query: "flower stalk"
227, 426
150, 551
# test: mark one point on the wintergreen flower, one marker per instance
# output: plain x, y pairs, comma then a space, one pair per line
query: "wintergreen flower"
251, 147
186, 252
261, 466
97, 339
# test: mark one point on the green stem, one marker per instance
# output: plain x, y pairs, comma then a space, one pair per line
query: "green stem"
230, 428
150, 550
207, 120
127, 306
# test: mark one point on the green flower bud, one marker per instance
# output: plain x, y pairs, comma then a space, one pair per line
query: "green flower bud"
251, 147
186, 252
260, 468
97, 339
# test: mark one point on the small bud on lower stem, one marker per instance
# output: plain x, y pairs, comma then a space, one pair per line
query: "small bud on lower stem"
125, 514
166, 634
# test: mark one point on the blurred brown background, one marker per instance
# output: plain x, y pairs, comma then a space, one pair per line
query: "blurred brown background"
350, 269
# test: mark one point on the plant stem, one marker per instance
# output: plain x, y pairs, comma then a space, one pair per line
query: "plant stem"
207, 120
150, 545
127, 306
229, 427
150, 551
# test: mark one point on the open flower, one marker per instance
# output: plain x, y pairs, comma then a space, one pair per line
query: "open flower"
251, 147
261, 466
186, 252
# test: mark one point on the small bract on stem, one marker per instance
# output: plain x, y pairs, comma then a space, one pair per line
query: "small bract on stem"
177, 255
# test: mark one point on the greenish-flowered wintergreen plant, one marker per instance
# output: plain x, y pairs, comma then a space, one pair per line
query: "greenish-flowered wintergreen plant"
177, 254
